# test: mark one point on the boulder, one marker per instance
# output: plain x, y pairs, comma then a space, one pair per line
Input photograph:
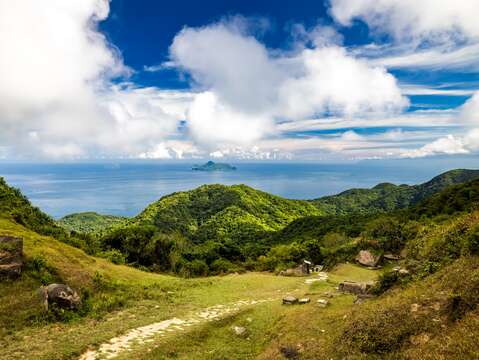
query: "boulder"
289, 300
355, 288
61, 295
11, 256
304, 301
366, 258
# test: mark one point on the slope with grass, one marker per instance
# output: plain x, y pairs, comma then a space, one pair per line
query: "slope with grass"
388, 197
115, 298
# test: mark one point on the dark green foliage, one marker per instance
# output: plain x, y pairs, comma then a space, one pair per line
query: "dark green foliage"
388, 197
217, 222
14, 205
455, 199
89, 222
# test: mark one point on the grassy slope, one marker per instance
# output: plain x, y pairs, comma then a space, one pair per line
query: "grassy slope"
388, 197
121, 298
89, 222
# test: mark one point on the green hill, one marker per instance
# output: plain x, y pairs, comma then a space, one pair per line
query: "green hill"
89, 222
206, 228
431, 313
14, 205
388, 197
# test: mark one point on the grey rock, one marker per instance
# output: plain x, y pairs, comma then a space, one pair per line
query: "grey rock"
61, 295
289, 300
304, 300
11, 256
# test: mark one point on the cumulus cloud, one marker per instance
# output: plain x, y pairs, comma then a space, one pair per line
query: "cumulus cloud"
411, 19
450, 144
212, 121
56, 92
333, 81
245, 87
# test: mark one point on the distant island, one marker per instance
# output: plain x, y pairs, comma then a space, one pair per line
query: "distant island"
212, 166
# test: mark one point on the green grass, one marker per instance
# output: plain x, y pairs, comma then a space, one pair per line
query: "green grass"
270, 325
121, 298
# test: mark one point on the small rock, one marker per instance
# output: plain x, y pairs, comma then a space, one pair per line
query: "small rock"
304, 300
403, 272
250, 320
240, 331
289, 300
322, 302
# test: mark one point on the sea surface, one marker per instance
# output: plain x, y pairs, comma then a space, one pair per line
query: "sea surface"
125, 188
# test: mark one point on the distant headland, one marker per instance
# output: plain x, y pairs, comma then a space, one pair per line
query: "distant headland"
212, 166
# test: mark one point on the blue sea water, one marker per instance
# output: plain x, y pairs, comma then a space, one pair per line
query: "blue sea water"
125, 188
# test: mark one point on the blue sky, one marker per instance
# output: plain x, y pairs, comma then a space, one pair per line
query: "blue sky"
264, 80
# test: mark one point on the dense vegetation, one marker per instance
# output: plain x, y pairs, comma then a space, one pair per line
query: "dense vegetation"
14, 205
217, 229
388, 197
211, 229
430, 313
89, 222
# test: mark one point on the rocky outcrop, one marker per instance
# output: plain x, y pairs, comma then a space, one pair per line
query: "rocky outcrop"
61, 295
11, 256
355, 287
367, 258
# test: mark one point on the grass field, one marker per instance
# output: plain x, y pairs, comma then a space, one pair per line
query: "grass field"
122, 298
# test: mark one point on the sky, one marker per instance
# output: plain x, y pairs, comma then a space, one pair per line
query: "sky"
312, 80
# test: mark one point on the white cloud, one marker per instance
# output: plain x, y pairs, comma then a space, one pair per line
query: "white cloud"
470, 111
56, 97
334, 82
211, 122
465, 58
246, 88
450, 144
435, 20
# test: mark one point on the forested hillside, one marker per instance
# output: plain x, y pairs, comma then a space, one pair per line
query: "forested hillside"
388, 197
89, 222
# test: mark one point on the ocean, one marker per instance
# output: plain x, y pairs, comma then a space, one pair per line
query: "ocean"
126, 187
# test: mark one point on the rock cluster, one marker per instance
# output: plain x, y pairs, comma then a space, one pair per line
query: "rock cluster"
11, 256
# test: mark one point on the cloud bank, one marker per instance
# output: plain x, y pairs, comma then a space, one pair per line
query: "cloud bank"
65, 90
56, 93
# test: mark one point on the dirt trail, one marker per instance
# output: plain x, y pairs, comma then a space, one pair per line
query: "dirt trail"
146, 333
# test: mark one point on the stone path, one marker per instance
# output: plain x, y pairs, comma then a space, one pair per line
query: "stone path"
145, 334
